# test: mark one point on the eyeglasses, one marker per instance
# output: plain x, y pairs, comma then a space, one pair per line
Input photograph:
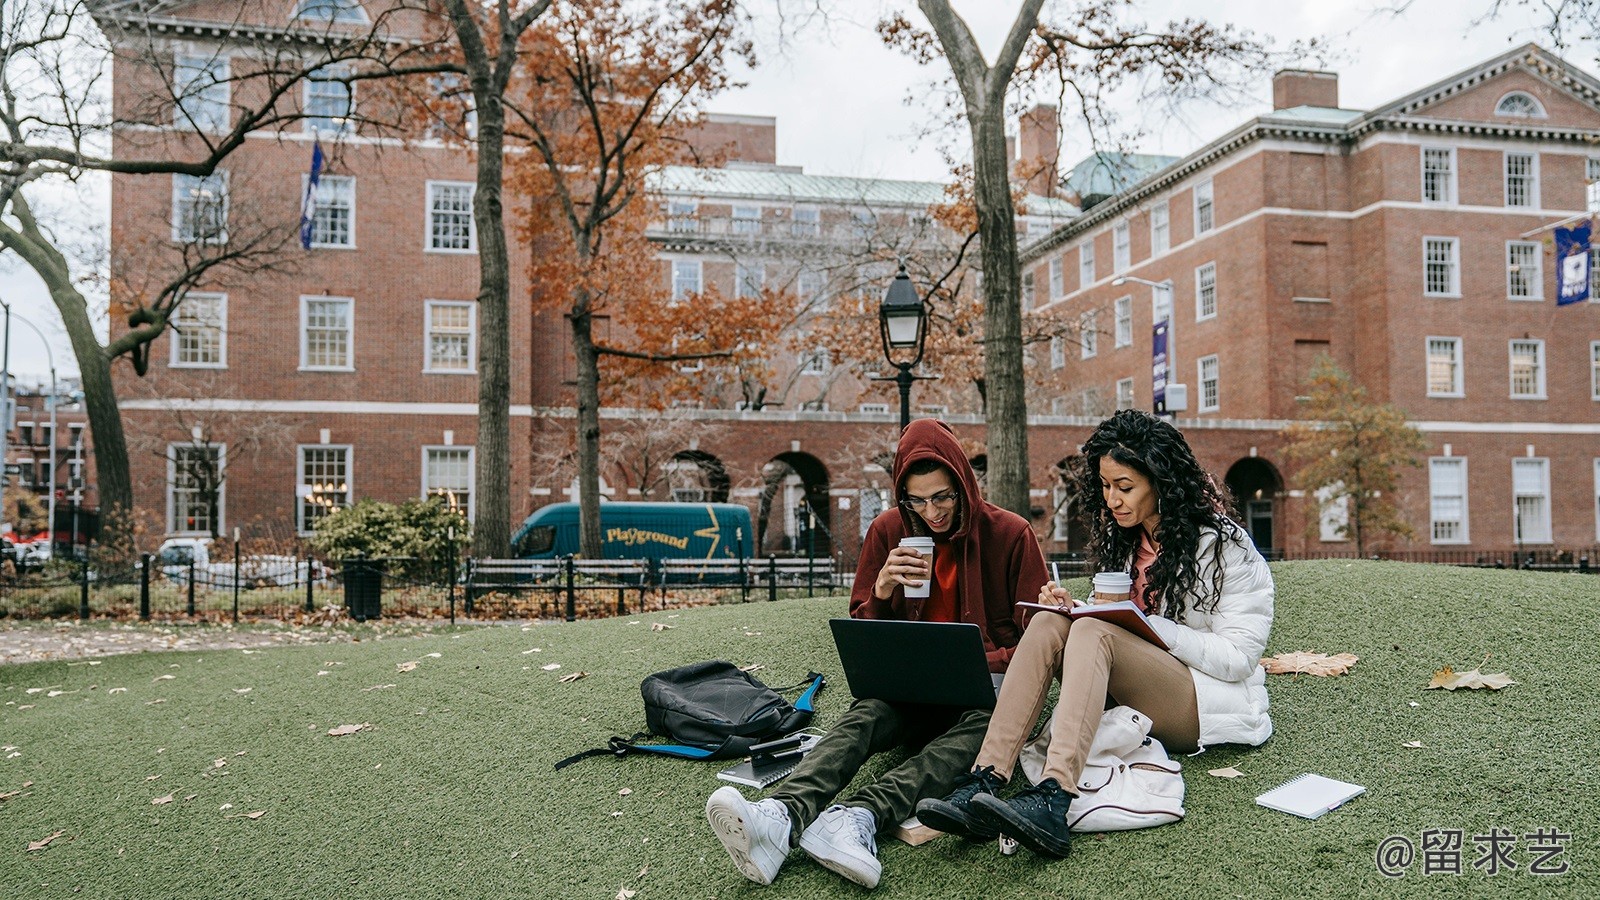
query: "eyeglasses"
941, 500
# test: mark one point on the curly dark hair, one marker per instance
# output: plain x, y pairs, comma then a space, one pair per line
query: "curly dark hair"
1189, 501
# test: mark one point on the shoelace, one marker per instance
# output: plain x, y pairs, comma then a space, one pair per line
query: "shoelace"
978, 780
1046, 795
864, 831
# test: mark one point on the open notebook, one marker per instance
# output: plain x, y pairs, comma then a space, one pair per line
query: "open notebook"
1309, 796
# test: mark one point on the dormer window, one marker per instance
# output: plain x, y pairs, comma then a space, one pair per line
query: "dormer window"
330, 10
1519, 104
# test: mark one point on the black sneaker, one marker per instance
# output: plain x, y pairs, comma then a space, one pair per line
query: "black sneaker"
1037, 817
953, 814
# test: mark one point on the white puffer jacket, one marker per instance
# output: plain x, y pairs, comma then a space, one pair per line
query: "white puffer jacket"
1223, 647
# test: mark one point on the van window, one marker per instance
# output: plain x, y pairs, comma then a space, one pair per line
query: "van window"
539, 539
177, 555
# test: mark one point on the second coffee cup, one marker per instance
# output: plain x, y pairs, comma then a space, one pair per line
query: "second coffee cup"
924, 546
1110, 587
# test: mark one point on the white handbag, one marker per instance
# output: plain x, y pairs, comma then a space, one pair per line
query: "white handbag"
1128, 781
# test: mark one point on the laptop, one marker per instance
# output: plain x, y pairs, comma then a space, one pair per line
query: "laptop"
931, 663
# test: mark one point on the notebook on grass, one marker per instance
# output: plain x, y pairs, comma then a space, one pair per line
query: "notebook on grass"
1309, 796
763, 770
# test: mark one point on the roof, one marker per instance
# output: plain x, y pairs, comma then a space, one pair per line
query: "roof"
1104, 173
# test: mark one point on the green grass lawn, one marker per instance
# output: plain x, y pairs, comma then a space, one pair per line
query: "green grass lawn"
451, 791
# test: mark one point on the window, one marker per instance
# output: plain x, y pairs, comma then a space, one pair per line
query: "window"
1447, 491
1444, 367
324, 484
816, 362
683, 216
1086, 263
1204, 213
812, 288
333, 224
1591, 176
1124, 317
873, 409
329, 101
1125, 393
1121, 248
1518, 103
807, 222
1441, 271
452, 336
200, 332
1530, 484
1527, 370
201, 88
194, 488
1058, 353
1061, 522
1160, 233
1091, 334
1594, 273
1205, 292
685, 278
1057, 280
1523, 262
1522, 179
1210, 400
1333, 513
450, 228
200, 208
1027, 291
325, 333
1594, 370
748, 279
1438, 175
447, 473
862, 223
746, 220
330, 10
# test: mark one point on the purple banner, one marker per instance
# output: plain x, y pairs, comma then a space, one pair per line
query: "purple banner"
1572, 264
1158, 366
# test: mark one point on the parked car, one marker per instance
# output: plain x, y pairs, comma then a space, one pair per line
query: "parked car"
176, 555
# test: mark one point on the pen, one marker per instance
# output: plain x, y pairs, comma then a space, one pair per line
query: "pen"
1055, 572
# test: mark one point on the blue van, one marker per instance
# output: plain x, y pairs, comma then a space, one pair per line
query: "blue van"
641, 531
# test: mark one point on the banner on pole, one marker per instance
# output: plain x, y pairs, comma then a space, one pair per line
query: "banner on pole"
1572, 264
1158, 366
308, 206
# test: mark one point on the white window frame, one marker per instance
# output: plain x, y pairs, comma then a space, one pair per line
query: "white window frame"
1121, 247
1205, 292
1125, 399
1029, 291
1537, 346
337, 11
201, 108
1457, 366
326, 200
683, 215
1058, 352
184, 195
1447, 176
1205, 207
1464, 535
1058, 284
182, 319
1123, 308
1453, 265
1061, 519
431, 210
1535, 112
429, 490
806, 221
1532, 176
816, 361
430, 365
1541, 532
349, 335
1213, 402
1089, 341
1161, 308
744, 218
1594, 370
1521, 256
172, 487
1591, 187
746, 287
302, 490
1160, 228
313, 93
680, 293
1086, 263
1597, 498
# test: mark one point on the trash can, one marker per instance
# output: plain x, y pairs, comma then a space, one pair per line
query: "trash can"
363, 588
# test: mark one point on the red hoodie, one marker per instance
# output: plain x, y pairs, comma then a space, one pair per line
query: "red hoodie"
998, 558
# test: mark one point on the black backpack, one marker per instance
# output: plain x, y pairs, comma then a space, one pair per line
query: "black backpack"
713, 710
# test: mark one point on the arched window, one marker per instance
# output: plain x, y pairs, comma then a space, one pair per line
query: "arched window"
330, 10
1520, 104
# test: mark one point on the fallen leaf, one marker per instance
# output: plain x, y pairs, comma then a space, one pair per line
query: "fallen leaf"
1449, 679
625, 894
116, 690
154, 702
1309, 663
242, 690
219, 762
568, 679
59, 693
225, 807
435, 656
190, 797
624, 792
1413, 703
753, 667
7, 795
642, 871
44, 842
25, 706
552, 667
348, 729
534, 650
660, 626
377, 687
162, 800
752, 634
323, 672
249, 815
406, 666
164, 677
1229, 772
151, 777
241, 752
1415, 745
616, 814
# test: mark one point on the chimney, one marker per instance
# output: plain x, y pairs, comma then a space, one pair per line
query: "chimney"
1034, 164
1305, 87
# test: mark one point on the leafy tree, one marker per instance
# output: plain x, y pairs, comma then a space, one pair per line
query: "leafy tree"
419, 531
1354, 451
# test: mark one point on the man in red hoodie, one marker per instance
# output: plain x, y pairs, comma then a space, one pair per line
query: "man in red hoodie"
985, 559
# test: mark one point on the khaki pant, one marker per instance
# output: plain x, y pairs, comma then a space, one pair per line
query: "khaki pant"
1092, 659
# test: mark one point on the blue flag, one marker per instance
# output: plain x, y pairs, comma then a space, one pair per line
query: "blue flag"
308, 207
1572, 264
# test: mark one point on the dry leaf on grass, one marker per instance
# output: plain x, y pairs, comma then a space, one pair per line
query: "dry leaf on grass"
1449, 679
753, 667
348, 729
44, 842
550, 668
625, 894
568, 679
242, 690
161, 800
1229, 772
660, 626
406, 666
1309, 663
1414, 745
624, 792
249, 815
219, 762
377, 687
164, 678
7, 795
117, 690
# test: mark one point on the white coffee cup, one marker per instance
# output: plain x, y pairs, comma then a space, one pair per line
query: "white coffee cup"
923, 546
1110, 587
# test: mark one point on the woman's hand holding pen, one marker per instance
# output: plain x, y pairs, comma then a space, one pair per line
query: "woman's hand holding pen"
1053, 594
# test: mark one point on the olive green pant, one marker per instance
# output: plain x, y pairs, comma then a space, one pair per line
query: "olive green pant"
944, 743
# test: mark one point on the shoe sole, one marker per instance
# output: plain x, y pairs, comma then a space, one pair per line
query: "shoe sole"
728, 824
866, 876
1004, 819
948, 818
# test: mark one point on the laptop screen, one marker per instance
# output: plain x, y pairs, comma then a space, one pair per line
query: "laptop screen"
932, 663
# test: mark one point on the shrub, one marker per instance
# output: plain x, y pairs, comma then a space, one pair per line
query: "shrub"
416, 532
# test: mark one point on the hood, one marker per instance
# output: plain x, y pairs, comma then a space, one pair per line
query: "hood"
933, 439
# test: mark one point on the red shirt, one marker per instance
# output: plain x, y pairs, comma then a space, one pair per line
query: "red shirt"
943, 593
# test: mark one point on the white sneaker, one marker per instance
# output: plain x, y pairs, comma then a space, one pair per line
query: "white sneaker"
845, 839
756, 835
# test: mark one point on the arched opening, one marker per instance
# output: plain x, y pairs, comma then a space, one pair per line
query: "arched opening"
1255, 484
695, 476
980, 468
794, 516
1066, 522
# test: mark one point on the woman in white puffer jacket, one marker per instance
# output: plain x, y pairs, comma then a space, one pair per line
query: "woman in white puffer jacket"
1154, 513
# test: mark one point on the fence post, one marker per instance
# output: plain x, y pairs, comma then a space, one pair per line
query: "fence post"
236, 576
144, 587
744, 580
191, 585
1583, 564
467, 590
811, 562
83, 584
572, 599
772, 577
450, 573
311, 605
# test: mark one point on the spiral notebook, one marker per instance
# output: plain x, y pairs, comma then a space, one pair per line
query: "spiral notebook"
1309, 796
762, 771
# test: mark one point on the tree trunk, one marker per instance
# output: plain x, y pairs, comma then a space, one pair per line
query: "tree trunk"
491, 527
588, 363
112, 480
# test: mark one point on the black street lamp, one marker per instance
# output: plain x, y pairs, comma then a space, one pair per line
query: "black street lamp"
903, 325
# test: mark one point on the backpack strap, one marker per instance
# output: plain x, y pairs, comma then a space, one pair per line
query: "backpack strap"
621, 746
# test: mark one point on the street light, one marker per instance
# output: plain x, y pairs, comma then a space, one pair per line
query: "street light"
1167, 399
903, 325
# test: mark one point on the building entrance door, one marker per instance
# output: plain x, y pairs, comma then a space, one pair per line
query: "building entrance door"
1258, 518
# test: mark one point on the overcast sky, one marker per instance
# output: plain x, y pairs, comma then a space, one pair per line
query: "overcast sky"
840, 98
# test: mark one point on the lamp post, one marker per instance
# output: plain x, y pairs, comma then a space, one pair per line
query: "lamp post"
1167, 398
903, 325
